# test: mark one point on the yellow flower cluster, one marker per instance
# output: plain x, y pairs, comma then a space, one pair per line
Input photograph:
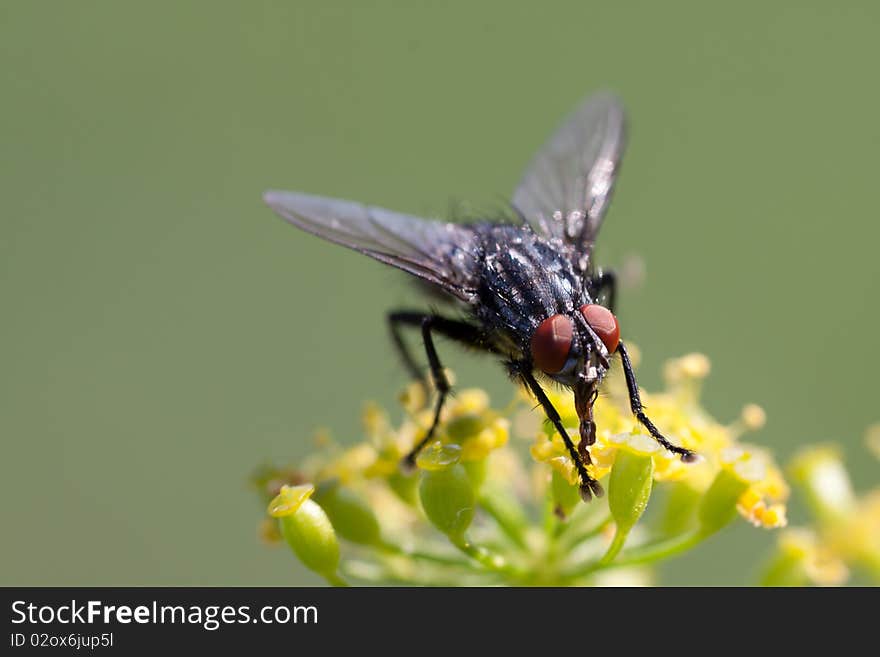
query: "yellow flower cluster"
467, 422
509, 518
847, 526
678, 411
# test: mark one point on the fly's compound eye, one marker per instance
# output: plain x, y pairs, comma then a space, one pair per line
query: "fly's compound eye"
604, 324
551, 343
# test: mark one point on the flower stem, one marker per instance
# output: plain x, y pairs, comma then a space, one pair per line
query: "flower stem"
490, 560
587, 533
439, 559
506, 518
373, 574
643, 554
661, 549
616, 546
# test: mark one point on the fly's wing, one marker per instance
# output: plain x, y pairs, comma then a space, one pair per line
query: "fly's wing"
440, 253
567, 186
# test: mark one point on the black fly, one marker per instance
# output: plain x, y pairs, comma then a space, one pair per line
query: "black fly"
531, 291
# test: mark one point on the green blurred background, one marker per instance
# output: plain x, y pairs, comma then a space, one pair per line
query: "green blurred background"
162, 332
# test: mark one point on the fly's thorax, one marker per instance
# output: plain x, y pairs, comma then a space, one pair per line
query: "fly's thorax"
523, 279
531, 295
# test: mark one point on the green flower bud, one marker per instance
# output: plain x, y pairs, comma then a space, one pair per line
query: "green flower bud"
351, 516
448, 499
679, 514
565, 496
438, 456
718, 507
289, 499
821, 475
405, 486
477, 471
785, 569
629, 487
461, 428
802, 558
307, 529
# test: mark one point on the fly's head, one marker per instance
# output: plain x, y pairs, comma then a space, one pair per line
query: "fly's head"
575, 349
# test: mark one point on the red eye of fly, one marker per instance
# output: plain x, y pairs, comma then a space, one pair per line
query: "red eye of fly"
604, 323
551, 343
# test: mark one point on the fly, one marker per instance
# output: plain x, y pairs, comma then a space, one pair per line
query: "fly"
530, 292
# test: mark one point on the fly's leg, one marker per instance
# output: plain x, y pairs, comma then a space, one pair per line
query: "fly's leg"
396, 320
588, 486
635, 403
462, 332
440, 382
605, 281
454, 329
